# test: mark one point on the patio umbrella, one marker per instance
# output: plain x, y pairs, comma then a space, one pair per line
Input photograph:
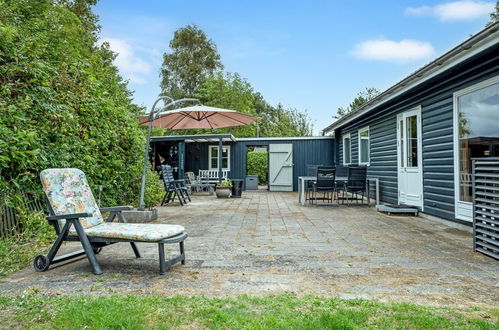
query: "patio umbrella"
193, 117
199, 117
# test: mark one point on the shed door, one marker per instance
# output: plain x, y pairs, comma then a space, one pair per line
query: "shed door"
281, 167
410, 164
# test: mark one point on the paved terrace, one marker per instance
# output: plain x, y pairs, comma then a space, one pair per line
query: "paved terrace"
266, 243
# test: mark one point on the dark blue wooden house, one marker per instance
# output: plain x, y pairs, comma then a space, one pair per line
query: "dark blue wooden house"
419, 136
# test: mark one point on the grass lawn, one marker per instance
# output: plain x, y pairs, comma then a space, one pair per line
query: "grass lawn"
38, 311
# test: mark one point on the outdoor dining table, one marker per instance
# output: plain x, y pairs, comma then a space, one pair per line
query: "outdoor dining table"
302, 182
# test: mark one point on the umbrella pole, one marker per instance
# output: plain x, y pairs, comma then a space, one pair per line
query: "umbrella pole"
152, 116
142, 204
220, 160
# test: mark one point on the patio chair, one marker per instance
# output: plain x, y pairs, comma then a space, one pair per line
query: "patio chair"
76, 217
341, 172
311, 171
173, 188
197, 185
356, 184
325, 183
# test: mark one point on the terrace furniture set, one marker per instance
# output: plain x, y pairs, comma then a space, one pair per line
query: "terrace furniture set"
197, 185
338, 183
211, 176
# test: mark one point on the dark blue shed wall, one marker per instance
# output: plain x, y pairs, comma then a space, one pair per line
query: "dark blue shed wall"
305, 151
318, 151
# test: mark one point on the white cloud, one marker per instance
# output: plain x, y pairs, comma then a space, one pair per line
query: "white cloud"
454, 11
393, 51
128, 61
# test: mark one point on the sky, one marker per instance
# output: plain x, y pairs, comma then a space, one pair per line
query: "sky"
309, 55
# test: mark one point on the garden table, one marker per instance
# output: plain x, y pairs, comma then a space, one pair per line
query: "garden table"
302, 182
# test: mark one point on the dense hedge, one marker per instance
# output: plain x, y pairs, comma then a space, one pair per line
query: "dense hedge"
257, 164
63, 103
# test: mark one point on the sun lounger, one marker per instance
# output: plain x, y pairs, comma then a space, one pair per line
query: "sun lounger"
76, 217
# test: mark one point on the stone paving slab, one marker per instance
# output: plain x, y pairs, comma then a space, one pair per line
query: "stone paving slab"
268, 243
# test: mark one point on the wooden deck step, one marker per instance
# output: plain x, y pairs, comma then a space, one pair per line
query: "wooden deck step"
397, 209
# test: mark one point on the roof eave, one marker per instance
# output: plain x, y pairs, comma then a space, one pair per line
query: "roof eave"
470, 47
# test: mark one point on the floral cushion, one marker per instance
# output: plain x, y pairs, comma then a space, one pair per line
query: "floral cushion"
68, 192
134, 231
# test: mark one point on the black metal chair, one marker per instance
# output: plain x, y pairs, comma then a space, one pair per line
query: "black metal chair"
325, 183
311, 171
173, 188
356, 184
341, 171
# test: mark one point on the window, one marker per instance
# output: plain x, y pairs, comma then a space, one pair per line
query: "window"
411, 126
477, 130
347, 149
364, 156
213, 158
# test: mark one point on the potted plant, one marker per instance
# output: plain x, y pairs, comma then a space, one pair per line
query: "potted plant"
223, 189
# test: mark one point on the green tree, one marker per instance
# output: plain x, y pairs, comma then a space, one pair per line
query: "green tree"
279, 121
192, 60
193, 69
494, 16
63, 103
229, 91
257, 163
361, 98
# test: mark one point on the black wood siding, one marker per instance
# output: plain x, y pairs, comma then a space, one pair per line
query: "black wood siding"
305, 151
436, 100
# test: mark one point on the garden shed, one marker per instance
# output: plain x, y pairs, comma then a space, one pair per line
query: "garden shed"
288, 157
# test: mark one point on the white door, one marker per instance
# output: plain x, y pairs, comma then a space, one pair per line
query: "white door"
281, 167
409, 158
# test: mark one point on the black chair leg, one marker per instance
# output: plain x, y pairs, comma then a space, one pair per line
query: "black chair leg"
89, 251
180, 198
162, 263
135, 250
182, 253
58, 242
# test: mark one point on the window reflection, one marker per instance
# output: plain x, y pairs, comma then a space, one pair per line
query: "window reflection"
478, 132
347, 150
364, 146
412, 141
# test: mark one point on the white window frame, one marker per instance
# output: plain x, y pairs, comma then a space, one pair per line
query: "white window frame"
228, 157
347, 136
463, 210
362, 130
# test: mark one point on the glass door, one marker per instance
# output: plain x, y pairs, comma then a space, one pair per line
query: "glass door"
476, 135
410, 171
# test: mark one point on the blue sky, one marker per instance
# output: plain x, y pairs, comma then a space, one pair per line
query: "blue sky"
310, 55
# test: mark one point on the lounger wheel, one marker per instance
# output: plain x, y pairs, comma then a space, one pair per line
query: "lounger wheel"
41, 263
97, 250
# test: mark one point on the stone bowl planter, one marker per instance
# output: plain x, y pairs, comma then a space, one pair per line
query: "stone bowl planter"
223, 192
137, 216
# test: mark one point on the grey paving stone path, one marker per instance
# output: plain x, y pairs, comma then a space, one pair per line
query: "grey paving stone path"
266, 243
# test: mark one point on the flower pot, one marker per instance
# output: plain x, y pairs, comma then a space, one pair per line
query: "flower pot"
223, 192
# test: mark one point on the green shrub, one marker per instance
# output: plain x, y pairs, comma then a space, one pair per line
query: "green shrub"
257, 164
225, 183
19, 249
154, 190
63, 103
